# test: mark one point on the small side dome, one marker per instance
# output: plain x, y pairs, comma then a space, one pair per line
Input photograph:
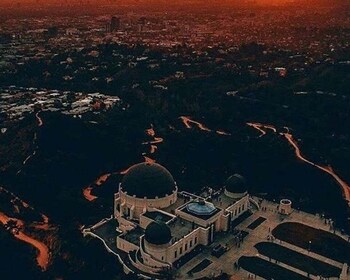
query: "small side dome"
236, 184
158, 233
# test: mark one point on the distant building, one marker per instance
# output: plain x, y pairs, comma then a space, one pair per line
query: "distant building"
108, 27
115, 23
141, 23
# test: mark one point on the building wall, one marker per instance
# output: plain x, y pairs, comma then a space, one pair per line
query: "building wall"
116, 203
125, 246
224, 220
149, 260
144, 221
125, 225
199, 236
141, 266
239, 207
183, 246
133, 207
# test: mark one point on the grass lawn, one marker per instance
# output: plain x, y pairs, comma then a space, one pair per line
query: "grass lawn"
256, 223
297, 260
201, 266
241, 218
189, 256
268, 270
244, 233
322, 242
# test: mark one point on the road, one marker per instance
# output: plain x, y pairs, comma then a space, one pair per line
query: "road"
289, 137
98, 182
40, 121
262, 128
188, 122
43, 256
87, 191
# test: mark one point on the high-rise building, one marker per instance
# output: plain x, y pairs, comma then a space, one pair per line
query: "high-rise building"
141, 24
108, 27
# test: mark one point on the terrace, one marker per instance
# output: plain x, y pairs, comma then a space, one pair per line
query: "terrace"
222, 201
158, 216
271, 262
133, 236
180, 227
180, 201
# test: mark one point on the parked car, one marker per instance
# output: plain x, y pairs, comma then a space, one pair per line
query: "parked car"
218, 251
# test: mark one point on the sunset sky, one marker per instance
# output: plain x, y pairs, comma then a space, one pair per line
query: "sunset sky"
126, 2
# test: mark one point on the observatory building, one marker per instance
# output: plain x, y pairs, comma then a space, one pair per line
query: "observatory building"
158, 225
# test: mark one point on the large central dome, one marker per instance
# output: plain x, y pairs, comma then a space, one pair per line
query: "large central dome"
148, 180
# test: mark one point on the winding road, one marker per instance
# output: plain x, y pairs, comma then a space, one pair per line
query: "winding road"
328, 169
29, 157
289, 137
187, 121
43, 256
259, 126
99, 181
43, 251
153, 143
262, 128
87, 192
40, 121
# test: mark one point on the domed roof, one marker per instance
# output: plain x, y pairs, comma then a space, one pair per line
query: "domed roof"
236, 184
148, 180
158, 233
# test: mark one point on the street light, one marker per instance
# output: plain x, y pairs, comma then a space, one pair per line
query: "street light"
310, 245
